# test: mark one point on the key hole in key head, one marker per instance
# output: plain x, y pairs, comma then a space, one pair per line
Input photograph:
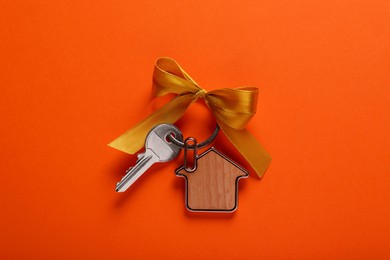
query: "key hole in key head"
168, 139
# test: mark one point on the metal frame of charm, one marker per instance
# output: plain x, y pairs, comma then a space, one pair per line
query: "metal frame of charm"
236, 182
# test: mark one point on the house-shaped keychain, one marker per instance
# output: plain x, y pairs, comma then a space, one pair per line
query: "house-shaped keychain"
213, 186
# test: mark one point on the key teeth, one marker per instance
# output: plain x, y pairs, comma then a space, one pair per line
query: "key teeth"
123, 177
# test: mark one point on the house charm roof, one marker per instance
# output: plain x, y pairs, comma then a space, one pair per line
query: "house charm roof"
213, 186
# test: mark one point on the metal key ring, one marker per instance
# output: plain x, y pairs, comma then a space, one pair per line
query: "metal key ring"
198, 146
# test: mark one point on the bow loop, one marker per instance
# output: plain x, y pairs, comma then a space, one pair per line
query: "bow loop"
169, 77
234, 107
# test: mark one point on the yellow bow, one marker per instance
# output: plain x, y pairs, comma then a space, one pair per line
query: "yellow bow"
232, 109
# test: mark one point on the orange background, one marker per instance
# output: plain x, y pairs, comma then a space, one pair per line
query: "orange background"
76, 74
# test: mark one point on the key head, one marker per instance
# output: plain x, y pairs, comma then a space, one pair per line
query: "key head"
157, 141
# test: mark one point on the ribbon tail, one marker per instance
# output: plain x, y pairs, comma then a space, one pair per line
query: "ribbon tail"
249, 147
134, 139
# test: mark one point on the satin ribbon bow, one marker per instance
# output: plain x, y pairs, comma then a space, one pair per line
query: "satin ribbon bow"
232, 109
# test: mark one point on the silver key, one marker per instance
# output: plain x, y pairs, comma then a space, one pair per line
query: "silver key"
157, 149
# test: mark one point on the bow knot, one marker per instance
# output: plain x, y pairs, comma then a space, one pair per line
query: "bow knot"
201, 94
232, 109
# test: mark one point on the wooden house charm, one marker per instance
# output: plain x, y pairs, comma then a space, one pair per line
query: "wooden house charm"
213, 186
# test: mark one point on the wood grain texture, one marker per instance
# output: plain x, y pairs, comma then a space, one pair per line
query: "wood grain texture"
213, 185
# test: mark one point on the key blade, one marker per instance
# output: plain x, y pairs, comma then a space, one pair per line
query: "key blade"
135, 172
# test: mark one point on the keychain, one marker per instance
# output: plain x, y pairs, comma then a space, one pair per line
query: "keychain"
212, 180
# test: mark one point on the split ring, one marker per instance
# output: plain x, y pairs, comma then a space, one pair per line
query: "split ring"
195, 146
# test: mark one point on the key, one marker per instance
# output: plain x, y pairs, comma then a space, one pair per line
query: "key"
157, 149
